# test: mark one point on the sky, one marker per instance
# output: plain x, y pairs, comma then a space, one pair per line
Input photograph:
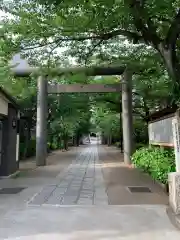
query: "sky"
2, 14
17, 57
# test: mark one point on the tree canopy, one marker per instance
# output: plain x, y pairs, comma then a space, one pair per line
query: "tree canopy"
82, 26
141, 34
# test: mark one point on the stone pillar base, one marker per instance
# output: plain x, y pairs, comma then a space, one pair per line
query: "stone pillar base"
174, 191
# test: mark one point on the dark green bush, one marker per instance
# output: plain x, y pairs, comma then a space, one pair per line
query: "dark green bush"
155, 161
140, 145
54, 146
21, 149
31, 148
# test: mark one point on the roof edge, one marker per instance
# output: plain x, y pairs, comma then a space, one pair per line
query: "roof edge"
162, 113
9, 97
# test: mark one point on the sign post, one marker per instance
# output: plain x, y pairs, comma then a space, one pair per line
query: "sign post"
174, 177
176, 139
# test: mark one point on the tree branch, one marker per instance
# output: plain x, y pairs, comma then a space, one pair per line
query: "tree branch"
144, 23
174, 30
110, 101
102, 37
92, 49
105, 36
56, 41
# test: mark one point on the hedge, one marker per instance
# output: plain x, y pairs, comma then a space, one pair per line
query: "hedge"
31, 151
155, 161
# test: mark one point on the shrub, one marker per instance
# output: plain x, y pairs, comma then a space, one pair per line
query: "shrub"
31, 148
21, 149
156, 161
118, 144
140, 145
54, 146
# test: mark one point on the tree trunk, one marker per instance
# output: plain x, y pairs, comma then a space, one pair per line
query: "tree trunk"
59, 142
51, 140
74, 141
172, 65
77, 140
103, 139
121, 132
65, 143
109, 140
27, 139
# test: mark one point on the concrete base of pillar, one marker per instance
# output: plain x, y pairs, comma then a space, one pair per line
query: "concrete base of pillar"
174, 191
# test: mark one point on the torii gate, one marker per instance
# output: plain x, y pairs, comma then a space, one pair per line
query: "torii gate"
22, 69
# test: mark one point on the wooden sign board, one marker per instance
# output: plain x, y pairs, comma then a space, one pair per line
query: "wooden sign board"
84, 88
161, 132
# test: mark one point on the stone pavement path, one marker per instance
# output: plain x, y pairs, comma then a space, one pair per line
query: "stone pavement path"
85, 199
81, 183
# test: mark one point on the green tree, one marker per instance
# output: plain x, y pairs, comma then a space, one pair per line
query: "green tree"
92, 23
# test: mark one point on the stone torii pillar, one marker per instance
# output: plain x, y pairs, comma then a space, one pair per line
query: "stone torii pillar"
127, 116
41, 124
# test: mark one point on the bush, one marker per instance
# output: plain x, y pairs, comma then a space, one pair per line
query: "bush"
54, 146
155, 161
118, 144
21, 149
31, 148
140, 145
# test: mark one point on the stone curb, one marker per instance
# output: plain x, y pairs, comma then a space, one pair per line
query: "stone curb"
10, 176
174, 219
162, 185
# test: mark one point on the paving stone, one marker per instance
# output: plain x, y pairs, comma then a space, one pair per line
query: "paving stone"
71, 192
88, 180
86, 191
85, 201
82, 179
67, 178
43, 195
89, 176
100, 202
75, 187
90, 188
88, 185
55, 198
68, 200
65, 184
101, 197
76, 182
61, 190
86, 195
